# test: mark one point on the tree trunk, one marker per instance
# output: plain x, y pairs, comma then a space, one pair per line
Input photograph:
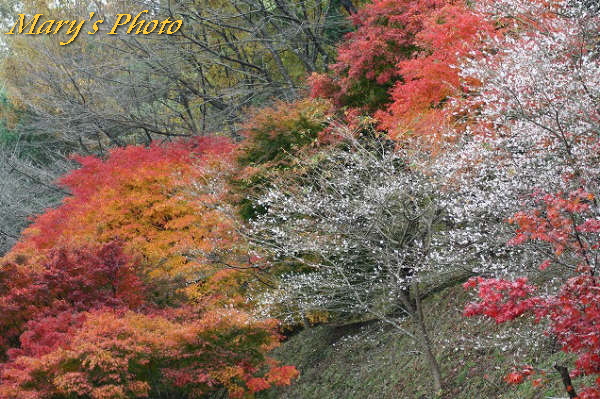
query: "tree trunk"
432, 363
566, 379
416, 313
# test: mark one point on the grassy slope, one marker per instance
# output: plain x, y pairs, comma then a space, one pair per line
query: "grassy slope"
370, 361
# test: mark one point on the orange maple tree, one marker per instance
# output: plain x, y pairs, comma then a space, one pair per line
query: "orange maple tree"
163, 202
121, 354
119, 292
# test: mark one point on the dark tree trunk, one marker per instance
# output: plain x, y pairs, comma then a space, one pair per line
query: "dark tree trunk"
566, 379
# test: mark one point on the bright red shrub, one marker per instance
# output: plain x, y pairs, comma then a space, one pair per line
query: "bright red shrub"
567, 225
46, 334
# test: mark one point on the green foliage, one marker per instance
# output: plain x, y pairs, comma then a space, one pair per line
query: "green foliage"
274, 134
274, 137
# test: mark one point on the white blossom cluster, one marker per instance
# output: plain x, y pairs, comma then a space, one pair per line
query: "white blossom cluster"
362, 229
537, 129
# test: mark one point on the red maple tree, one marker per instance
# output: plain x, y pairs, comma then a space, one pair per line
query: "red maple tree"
567, 225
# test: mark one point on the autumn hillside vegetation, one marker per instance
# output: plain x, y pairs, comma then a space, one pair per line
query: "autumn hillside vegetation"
306, 199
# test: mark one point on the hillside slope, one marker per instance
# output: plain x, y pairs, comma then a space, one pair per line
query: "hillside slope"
368, 360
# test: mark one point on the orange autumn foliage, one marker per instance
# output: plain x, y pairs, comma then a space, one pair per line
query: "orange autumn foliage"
432, 76
82, 308
365, 68
162, 202
401, 65
127, 355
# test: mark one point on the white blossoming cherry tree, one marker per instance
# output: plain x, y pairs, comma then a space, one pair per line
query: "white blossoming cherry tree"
359, 232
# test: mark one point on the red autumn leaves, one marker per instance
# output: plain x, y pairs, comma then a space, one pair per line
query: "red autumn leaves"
95, 297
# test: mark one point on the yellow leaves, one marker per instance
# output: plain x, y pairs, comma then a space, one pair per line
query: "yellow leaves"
139, 389
181, 223
316, 316
101, 359
231, 373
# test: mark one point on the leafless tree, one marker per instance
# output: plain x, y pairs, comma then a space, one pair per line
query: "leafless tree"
105, 90
26, 189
